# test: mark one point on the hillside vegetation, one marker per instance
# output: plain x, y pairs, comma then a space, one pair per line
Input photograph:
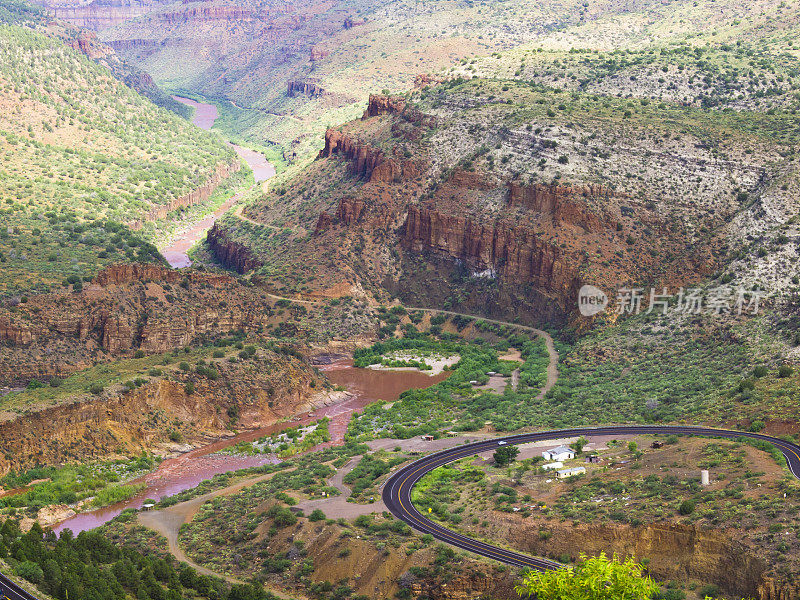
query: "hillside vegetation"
83, 158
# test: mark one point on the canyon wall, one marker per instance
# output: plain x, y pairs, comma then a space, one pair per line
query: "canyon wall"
232, 254
127, 307
364, 158
258, 392
513, 253
221, 172
99, 14
304, 87
675, 552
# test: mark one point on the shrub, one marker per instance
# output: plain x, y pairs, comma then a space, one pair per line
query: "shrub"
30, 571
96, 389
708, 591
316, 515
138, 354
686, 507
785, 371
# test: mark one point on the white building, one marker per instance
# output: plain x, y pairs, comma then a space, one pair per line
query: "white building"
565, 473
559, 453
555, 465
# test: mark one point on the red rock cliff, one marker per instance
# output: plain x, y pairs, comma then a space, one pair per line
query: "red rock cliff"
232, 254
514, 253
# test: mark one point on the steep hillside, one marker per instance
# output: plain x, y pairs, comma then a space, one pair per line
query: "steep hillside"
88, 165
283, 71
497, 194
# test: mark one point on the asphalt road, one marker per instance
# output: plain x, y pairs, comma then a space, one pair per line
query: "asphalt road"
11, 591
397, 489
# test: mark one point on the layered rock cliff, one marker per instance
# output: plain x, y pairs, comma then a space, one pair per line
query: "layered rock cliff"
99, 14
249, 394
513, 253
675, 552
307, 88
230, 253
201, 194
126, 308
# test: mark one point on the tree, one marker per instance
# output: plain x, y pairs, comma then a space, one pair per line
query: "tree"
578, 445
505, 455
686, 507
316, 515
596, 578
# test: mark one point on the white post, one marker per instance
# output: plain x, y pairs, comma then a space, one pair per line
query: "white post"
704, 478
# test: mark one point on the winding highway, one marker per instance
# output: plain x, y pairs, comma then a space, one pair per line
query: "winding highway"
397, 489
11, 591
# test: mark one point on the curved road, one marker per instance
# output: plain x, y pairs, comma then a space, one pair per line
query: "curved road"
11, 591
397, 489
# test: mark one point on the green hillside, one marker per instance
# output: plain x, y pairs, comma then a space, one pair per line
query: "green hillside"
83, 157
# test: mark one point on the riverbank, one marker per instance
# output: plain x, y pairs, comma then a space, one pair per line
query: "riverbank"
186, 471
177, 250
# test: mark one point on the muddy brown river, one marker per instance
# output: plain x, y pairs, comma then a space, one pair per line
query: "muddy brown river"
204, 116
186, 471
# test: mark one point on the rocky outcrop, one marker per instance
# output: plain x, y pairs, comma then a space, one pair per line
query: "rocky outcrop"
379, 105
86, 43
350, 22
514, 253
383, 105
771, 588
364, 157
201, 194
368, 162
126, 308
232, 254
127, 273
259, 392
674, 551
316, 54
304, 87
473, 584
566, 204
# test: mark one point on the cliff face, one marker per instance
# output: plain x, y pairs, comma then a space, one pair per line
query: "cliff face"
514, 253
231, 254
201, 194
368, 162
304, 87
260, 394
364, 158
565, 204
675, 552
127, 307
99, 14
772, 588
199, 14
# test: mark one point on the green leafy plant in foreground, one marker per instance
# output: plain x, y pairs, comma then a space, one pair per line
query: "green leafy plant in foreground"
595, 578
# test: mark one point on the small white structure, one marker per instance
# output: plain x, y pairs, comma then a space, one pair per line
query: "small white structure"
559, 453
555, 465
705, 478
566, 473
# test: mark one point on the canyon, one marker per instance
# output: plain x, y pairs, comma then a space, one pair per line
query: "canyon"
127, 307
